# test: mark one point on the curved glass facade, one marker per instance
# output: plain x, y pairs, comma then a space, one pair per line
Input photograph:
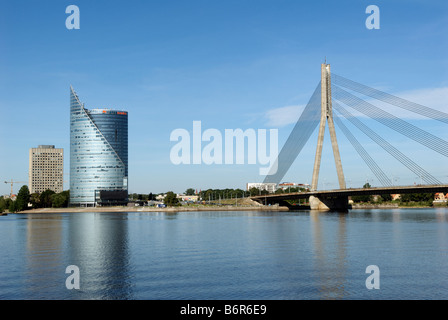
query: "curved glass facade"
98, 154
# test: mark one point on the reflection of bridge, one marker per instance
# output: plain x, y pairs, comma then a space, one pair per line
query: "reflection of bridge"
338, 198
319, 111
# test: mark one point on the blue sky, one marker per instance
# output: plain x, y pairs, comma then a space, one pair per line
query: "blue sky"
229, 64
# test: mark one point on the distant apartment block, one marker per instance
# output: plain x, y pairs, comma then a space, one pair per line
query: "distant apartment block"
46, 169
270, 187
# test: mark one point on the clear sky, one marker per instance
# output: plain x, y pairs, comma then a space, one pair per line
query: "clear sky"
249, 64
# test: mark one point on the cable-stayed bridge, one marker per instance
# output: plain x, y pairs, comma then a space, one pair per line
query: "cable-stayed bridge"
333, 101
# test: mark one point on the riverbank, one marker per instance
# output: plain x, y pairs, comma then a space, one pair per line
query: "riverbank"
193, 208
154, 209
375, 206
395, 205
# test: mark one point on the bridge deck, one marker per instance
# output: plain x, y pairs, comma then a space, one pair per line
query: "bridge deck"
353, 192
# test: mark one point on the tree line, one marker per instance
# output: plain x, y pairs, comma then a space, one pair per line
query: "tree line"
210, 194
46, 199
405, 199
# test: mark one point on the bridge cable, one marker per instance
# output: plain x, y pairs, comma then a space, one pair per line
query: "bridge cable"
373, 166
300, 134
406, 161
389, 98
392, 122
405, 128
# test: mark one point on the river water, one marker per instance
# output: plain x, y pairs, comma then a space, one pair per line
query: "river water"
226, 255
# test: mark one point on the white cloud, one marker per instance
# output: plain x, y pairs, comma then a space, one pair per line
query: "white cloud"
283, 116
434, 98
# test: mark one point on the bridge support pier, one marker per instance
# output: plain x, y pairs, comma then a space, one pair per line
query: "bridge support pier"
329, 203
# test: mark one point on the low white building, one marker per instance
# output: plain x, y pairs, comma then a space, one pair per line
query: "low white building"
183, 197
160, 197
270, 187
288, 185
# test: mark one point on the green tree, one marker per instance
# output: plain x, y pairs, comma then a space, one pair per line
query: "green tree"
254, 191
240, 193
208, 194
12, 207
417, 197
8, 202
2, 204
35, 200
45, 198
23, 198
171, 199
60, 200
362, 198
190, 192
386, 197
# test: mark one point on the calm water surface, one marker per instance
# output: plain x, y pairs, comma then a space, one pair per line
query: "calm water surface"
226, 255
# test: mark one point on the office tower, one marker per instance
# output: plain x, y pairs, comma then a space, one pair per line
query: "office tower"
98, 155
46, 169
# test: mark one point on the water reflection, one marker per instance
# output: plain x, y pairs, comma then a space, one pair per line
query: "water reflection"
330, 255
44, 239
401, 215
98, 245
226, 255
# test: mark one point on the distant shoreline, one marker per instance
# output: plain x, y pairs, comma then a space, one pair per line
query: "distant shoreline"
274, 208
153, 209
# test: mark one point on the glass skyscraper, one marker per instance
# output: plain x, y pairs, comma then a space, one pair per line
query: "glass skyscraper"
98, 155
